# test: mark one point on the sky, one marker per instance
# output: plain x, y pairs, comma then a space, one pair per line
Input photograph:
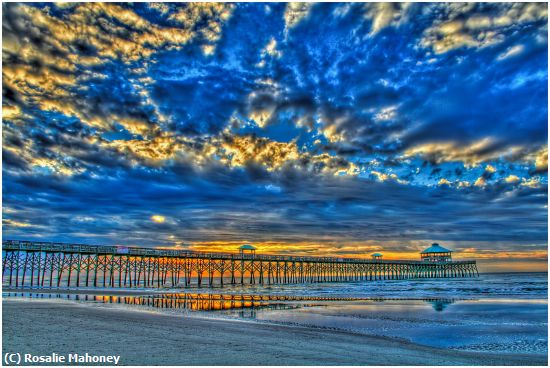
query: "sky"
313, 129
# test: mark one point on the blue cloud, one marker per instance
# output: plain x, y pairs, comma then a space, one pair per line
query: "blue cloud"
355, 123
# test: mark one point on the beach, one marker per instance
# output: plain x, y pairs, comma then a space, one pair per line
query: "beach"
42, 327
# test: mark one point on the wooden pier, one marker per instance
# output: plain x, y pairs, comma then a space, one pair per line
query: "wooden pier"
28, 264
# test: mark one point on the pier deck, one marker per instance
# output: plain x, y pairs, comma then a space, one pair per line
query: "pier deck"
56, 265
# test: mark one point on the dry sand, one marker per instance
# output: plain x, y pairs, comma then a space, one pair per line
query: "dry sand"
145, 338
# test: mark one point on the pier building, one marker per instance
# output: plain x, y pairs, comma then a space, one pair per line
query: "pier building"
247, 248
436, 253
376, 256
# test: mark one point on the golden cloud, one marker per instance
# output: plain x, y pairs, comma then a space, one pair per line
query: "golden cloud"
511, 179
135, 126
478, 30
471, 155
451, 35
329, 247
490, 169
480, 182
385, 14
158, 219
238, 151
295, 13
538, 158
160, 7
56, 165
271, 49
261, 117
150, 150
14, 223
531, 182
541, 160
11, 112
331, 133
210, 15
113, 31
384, 177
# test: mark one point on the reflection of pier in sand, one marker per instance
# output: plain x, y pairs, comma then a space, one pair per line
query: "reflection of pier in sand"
440, 304
215, 302
186, 301
55, 265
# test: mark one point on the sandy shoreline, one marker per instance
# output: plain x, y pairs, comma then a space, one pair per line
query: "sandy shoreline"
42, 327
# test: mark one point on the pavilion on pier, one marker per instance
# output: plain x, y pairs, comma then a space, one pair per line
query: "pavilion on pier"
436, 253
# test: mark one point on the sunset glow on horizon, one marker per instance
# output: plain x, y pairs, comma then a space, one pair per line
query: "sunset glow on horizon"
334, 129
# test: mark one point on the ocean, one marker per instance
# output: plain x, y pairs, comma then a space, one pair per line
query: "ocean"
498, 312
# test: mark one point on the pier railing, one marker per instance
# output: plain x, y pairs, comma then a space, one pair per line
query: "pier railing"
181, 253
53, 264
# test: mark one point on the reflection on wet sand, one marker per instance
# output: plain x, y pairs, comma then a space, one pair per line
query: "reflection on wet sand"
210, 302
441, 304
185, 301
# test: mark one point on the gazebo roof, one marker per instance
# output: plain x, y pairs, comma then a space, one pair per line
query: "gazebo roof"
247, 247
436, 248
376, 254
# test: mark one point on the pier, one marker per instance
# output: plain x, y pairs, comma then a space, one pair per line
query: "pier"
29, 264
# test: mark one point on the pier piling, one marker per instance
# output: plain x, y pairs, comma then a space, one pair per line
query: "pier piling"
146, 267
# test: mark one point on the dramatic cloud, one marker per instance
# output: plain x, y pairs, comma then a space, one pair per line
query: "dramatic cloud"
482, 25
306, 128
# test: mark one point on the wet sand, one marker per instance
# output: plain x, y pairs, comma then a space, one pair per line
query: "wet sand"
83, 291
149, 338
